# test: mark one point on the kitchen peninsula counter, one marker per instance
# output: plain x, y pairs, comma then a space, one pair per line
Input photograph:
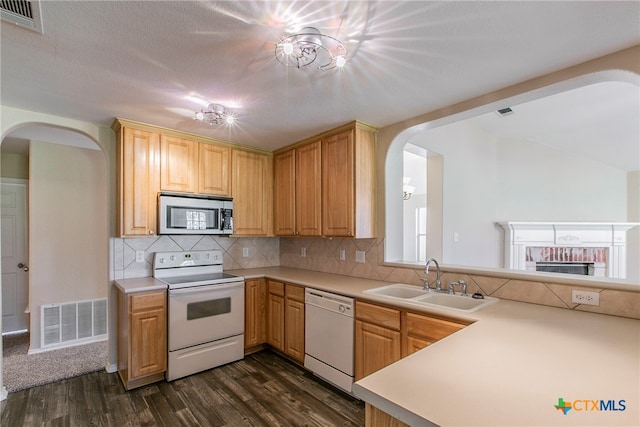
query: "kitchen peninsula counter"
510, 367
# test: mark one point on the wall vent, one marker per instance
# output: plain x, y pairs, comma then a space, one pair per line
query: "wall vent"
68, 323
23, 13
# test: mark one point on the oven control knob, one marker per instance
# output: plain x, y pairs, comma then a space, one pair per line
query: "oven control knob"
172, 258
161, 260
208, 255
215, 257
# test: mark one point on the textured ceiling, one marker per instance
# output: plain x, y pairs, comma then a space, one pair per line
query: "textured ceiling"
158, 62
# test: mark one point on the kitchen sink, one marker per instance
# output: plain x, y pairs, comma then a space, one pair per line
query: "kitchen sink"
457, 302
398, 290
417, 295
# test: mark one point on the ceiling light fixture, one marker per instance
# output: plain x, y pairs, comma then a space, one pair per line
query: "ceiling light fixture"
302, 49
407, 190
215, 114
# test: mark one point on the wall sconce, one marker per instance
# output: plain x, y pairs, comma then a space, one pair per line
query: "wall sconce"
407, 190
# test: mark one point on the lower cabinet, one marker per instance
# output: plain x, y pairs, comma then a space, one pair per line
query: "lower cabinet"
425, 330
377, 338
255, 314
142, 337
285, 318
275, 315
374, 417
294, 322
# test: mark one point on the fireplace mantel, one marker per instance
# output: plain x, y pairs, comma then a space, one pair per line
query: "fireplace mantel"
611, 236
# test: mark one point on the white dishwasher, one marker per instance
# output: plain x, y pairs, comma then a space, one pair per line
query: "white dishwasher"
328, 341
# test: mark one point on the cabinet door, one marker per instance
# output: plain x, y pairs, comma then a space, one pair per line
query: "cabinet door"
425, 330
308, 190
148, 342
284, 194
214, 166
179, 160
252, 192
275, 330
139, 181
376, 347
338, 185
294, 329
255, 312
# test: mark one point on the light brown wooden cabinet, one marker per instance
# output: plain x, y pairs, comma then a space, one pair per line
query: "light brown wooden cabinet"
275, 315
423, 330
325, 185
297, 191
255, 313
348, 184
142, 337
252, 191
179, 164
214, 169
384, 335
294, 322
138, 180
286, 319
374, 417
377, 338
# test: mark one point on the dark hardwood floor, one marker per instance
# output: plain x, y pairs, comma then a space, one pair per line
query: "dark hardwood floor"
263, 389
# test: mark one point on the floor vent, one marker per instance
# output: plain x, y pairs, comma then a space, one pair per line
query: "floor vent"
23, 13
80, 321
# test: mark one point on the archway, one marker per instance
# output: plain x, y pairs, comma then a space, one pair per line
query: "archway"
71, 209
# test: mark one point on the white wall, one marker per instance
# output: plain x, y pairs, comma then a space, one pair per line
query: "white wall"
539, 183
68, 213
469, 176
633, 235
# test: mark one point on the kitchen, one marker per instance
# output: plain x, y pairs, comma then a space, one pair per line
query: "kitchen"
256, 246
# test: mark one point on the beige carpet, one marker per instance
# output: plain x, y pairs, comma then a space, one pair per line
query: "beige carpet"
21, 371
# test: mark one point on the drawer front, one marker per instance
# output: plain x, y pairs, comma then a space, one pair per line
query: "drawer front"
276, 288
295, 293
429, 327
147, 300
383, 316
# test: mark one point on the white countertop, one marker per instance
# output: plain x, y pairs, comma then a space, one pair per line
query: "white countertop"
508, 368
140, 284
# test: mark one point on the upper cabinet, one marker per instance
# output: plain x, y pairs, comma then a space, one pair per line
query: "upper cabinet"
138, 180
252, 191
325, 186
179, 164
297, 191
215, 170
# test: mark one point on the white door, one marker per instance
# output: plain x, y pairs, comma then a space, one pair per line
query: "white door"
15, 276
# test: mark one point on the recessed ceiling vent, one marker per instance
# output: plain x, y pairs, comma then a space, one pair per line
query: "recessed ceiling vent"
23, 13
505, 111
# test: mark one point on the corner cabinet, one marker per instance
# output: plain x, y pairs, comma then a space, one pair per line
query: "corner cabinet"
142, 337
252, 191
138, 180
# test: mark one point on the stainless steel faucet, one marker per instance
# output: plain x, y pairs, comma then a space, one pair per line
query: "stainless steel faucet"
463, 288
438, 287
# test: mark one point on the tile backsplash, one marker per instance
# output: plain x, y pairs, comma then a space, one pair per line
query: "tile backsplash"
326, 255
261, 252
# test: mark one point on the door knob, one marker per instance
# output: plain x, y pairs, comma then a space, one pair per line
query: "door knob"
23, 266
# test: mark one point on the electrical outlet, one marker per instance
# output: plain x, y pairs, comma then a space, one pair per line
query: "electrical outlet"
360, 256
585, 297
303, 252
139, 256
245, 252
343, 255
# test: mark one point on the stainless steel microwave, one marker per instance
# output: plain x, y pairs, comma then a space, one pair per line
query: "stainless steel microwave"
188, 214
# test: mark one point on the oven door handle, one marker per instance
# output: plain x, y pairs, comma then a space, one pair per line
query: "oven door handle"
205, 288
